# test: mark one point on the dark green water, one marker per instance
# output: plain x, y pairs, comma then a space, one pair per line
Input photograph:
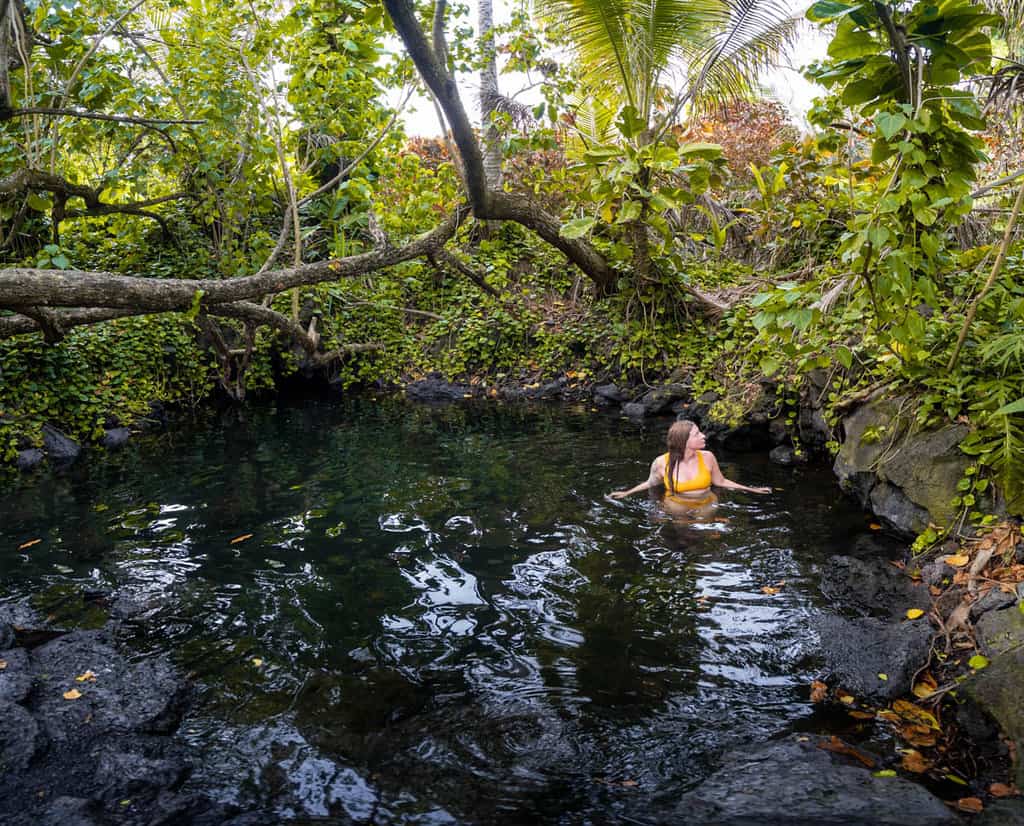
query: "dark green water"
439, 617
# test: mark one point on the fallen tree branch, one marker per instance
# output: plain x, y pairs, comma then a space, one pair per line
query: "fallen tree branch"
9, 114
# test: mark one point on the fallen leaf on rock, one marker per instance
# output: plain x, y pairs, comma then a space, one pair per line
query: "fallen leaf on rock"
915, 714
29, 544
1003, 790
875, 526
839, 747
956, 560
86, 676
978, 662
241, 538
914, 613
3, 664
847, 699
73, 694
913, 761
970, 804
883, 677
862, 715
926, 686
767, 589
934, 590
884, 773
818, 691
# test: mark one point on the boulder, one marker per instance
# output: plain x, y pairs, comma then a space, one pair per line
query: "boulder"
59, 446
608, 394
785, 455
124, 775
634, 410
19, 738
115, 437
796, 783
659, 399
871, 587
143, 697
995, 690
906, 474
70, 811
435, 389
15, 677
30, 458
995, 599
1008, 812
858, 651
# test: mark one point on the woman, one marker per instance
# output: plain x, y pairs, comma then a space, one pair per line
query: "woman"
687, 471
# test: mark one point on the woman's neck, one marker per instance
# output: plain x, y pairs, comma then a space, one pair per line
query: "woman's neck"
688, 454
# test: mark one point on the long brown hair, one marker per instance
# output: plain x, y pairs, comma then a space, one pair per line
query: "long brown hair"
676, 439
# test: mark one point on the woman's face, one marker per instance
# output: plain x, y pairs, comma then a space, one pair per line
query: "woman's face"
696, 440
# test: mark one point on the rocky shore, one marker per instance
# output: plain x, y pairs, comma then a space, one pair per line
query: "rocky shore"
85, 732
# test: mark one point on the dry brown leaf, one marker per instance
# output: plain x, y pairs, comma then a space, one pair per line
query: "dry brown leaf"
241, 538
29, 544
847, 699
915, 714
862, 715
970, 804
913, 761
86, 676
1003, 790
818, 691
3, 664
956, 560
934, 590
839, 747
73, 694
767, 589
875, 526
926, 686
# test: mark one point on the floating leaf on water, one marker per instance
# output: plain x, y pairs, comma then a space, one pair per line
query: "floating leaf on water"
978, 662
256, 661
970, 804
767, 589
241, 538
29, 544
884, 773
956, 560
295, 487
86, 677
818, 691
335, 530
862, 715
63, 569
275, 563
73, 694
1002, 790
847, 699
914, 613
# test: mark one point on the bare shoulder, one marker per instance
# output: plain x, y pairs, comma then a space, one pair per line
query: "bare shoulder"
709, 457
659, 462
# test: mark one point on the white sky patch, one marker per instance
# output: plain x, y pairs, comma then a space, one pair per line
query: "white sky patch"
784, 83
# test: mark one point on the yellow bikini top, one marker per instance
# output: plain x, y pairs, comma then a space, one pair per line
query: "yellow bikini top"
700, 480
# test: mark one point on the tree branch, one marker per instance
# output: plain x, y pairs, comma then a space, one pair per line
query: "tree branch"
9, 114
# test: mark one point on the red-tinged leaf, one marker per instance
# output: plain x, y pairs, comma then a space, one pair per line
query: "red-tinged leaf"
818, 691
29, 544
970, 804
241, 538
1003, 790
913, 761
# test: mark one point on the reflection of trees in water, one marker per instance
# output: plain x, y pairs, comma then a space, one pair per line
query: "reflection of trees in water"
638, 627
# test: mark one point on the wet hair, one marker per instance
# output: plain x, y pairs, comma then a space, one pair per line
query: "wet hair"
676, 438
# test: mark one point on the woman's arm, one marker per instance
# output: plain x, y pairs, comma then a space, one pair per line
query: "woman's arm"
718, 480
653, 481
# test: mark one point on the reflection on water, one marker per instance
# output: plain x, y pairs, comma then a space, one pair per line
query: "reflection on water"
434, 615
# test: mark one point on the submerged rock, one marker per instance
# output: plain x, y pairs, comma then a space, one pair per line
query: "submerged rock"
785, 455
793, 781
858, 651
19, 738
607, 394
434, 389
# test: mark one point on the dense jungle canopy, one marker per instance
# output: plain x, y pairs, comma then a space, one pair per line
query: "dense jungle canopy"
201, 196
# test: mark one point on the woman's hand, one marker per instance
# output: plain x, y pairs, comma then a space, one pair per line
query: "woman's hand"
618, 494
760, 490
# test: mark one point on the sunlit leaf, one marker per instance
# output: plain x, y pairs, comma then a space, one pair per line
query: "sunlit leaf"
241, 538
86, 677
256, 661
915, 714
73, 694
914, 613
978, 662
29, 544
956, 560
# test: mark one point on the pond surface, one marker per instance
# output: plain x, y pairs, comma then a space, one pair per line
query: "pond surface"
412, 614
